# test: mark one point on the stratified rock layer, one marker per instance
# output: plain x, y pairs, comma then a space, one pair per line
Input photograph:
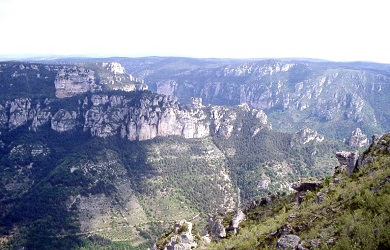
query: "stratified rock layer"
140, 117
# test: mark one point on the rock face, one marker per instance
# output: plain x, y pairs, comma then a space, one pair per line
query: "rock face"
18, 112
106, 115
183, 238
306, 185
303, 186
348, 160
237, 219
21, 111
351, 161
318, 95
358, 139
143, 116
73, 80
379, 145
63, 121
167, 88
289, 241
216, 227
114, 67
225, 120
307, 135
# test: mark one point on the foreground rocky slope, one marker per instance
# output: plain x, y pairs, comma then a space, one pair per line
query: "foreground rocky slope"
350, 208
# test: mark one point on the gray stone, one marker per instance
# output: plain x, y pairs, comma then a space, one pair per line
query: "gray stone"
315, 243
302, 246
307, 135
104, 115
375, 138
184, 240
268, 200
73, 80
237, 219
320, 197
216, 227
288, 241
358, 139
306, 185
331, 242
64, 121
348, 159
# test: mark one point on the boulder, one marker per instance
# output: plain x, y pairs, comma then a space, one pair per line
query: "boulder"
348, 159
183, 240
302, 186
234, 225
320, 197
216, 227
288, 241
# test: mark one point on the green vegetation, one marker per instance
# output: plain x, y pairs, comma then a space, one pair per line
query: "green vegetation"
26, 80
274, 156
352, 213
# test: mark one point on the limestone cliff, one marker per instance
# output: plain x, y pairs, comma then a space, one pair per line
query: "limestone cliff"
358, 139
307, 135
293, 93
72, 80
62, 80
141, 116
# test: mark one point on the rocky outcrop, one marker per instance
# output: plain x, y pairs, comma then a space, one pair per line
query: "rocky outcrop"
237, 219
142, 116
196, 102
114, 67
182, 238
351, 161
358, 139
294, 93
287, 242
307, 135
303, 186
348, 160
167, 87
18, 111
225, 120
379, 145
63, 121
216, 227
73, 80
114, 77
39, 117
21, 111
306, 185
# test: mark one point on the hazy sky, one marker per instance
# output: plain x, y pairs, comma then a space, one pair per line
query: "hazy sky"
342, 30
